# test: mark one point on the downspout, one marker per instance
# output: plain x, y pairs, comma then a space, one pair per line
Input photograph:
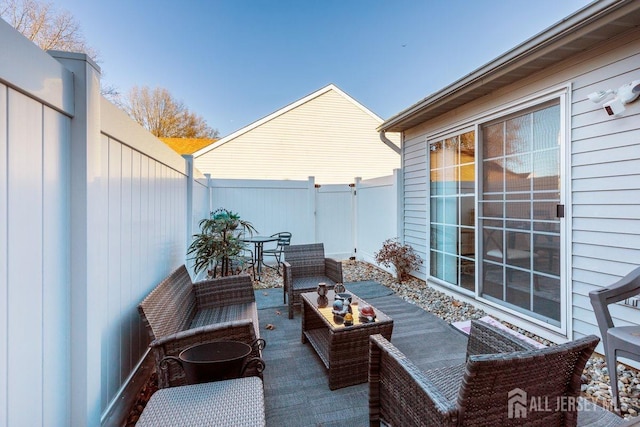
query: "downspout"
387, 141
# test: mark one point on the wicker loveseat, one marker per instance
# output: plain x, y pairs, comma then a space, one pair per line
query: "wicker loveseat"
493, 388
304, 267
179, 314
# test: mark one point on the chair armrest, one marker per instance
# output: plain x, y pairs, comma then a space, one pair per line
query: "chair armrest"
171, 345
184, 339
287, 275
487, 339
624, 288
400, 393
224, 291
333, 269
287, 272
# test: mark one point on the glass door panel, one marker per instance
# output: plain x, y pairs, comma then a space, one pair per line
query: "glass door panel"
520, 243
452, 210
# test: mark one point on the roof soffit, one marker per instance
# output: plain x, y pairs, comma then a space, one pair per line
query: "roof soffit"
595, 23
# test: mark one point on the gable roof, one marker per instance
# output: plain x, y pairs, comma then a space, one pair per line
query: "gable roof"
596, 22
284, 110
187, 145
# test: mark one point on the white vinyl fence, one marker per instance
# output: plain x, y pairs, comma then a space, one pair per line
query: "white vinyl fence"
95, 211
351, 220
378, 215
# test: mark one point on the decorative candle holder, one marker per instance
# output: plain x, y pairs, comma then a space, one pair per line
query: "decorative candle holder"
322, 289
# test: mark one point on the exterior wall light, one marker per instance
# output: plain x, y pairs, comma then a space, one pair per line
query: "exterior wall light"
624, 95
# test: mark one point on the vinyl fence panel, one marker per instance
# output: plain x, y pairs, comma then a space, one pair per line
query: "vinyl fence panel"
376, 214
270, 206
335, 220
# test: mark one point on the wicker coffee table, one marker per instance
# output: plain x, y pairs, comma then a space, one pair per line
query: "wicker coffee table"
344, 350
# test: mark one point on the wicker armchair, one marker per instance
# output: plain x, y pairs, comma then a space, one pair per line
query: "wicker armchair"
489, 390
304, 267
178, 314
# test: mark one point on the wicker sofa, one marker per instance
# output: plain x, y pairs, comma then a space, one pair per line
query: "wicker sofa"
481, 391
304, 267
178, 314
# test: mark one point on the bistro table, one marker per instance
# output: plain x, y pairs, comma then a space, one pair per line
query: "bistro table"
258, 242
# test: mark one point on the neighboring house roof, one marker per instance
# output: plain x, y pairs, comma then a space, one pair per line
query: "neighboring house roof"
598, 21
187, 145
282, 111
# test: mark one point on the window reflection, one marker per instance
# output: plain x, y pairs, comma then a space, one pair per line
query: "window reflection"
452, 162
520, 192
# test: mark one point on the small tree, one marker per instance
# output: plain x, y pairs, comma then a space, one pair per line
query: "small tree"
219, 241
401, 256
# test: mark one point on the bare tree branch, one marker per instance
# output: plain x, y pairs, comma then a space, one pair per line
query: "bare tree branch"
48, 28
162, 115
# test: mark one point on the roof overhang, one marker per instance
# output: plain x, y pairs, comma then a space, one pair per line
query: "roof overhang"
596, 22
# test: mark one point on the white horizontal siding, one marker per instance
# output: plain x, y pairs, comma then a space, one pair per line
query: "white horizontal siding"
415, 203
606, 183
327, 137
604, 173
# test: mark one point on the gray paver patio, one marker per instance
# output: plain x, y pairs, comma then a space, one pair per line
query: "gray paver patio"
296, 382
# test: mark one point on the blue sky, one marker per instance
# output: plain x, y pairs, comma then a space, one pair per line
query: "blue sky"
235, 61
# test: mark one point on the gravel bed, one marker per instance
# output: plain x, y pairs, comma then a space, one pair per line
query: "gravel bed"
595, 377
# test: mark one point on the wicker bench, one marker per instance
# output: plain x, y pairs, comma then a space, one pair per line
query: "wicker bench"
179, 314
237, 402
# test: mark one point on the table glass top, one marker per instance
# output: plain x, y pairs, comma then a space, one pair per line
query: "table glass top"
338, 321
259, 239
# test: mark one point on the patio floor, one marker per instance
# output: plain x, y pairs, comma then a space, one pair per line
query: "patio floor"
296, 382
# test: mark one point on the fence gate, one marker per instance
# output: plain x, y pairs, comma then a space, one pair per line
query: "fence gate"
335, 219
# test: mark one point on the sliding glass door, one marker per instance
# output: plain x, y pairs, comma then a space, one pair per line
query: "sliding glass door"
520, 210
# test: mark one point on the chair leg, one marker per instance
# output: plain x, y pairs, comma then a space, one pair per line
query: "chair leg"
278, 263
613, 375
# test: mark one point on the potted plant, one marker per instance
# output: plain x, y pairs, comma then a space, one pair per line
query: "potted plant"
219, 242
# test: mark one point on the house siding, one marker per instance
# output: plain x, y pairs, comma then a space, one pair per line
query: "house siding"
604, 171
415, 197
328, 137
605, 178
